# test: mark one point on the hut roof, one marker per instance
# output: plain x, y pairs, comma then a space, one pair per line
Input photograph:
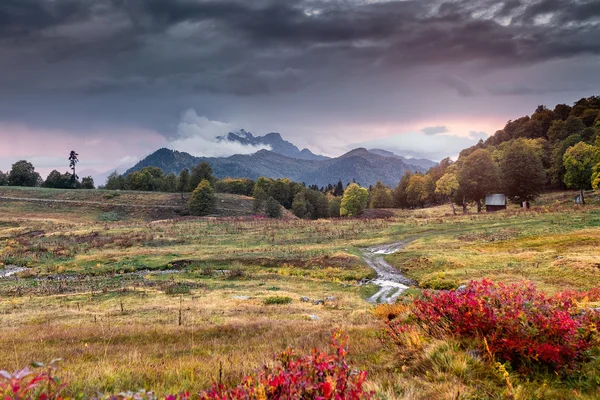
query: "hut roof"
495, 200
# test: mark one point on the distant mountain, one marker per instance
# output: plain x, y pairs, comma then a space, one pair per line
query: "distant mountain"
419, 162
274, 141
360, 164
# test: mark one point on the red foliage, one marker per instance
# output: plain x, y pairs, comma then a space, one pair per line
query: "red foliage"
319, 375
519, 323
25, 384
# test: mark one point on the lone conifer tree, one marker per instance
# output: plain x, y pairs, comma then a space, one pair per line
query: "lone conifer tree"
73, 160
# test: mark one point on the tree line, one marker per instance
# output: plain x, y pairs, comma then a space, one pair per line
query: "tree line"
22, 173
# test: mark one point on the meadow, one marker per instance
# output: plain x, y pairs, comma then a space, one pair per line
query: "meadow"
132, 295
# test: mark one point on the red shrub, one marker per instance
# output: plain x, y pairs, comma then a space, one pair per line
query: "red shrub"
25, 384
319, 375
515, 323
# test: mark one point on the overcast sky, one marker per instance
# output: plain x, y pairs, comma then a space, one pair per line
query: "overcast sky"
117, 79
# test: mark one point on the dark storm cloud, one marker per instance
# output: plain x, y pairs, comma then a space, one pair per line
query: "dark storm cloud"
265, 46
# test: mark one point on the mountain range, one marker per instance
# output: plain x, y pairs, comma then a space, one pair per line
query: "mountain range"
285, 160
274, 141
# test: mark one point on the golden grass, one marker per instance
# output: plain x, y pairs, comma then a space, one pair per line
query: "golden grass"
125, 335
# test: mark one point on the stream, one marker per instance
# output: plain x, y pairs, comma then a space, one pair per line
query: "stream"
390, 281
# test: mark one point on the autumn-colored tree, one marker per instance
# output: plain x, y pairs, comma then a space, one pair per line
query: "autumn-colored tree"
596, 177
354, 200
447, 185
478, 176
203, 199
419, 190
381, 196
579, 161
400, 199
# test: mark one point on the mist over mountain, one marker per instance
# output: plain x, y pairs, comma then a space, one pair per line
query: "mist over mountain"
274, 141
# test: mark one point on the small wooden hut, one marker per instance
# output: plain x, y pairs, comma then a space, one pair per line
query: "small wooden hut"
495, 202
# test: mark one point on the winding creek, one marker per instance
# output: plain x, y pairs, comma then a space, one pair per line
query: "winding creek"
390, 281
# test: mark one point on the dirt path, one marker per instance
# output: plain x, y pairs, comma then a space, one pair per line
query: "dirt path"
86, 202
391, 282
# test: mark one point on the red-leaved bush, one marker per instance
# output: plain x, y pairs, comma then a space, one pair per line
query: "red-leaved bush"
25, 384
515, 323
320, 376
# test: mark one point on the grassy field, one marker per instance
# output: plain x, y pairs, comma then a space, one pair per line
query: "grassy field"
130, 300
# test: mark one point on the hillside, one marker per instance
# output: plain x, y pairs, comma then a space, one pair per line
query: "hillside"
110, 204
360, 164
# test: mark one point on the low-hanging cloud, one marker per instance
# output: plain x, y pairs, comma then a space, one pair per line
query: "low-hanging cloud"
434, 130
422, 145
199, 136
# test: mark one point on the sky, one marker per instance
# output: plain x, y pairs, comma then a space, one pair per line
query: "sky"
117, 79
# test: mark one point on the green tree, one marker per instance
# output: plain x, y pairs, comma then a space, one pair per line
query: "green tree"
560, 130
60, 181
273, 208
260, 198
478, 176
3, 179
354, 200
381, 196
200, 172
203, 199
87, 182
280, 191
115, 181
580, 161
334, 207
241, 186
299, 207
321, 205
140, 181
558, 150
183, 181
522, 171
338, 191
447, 186
169, 183
23, 173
